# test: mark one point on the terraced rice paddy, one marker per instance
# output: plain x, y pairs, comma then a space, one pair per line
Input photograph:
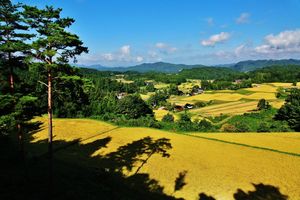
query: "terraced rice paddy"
216, 164
231, 108
232, 102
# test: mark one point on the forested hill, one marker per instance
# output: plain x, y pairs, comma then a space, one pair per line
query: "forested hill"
243, 66
251, 65
147, 67
209, 73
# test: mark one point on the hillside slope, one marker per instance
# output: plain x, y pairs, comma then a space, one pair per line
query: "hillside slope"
216, 164
250, 65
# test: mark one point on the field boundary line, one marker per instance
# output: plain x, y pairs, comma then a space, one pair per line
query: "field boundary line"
245, 145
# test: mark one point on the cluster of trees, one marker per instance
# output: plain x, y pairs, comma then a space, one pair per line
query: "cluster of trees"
35, 51
281, 73
224, 85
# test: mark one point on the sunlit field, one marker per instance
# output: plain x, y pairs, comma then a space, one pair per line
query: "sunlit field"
231, 102
215, 163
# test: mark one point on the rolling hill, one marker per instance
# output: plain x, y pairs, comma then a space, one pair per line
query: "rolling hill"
243, 66
250, 65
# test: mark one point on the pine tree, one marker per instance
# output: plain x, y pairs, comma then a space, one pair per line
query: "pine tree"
12, 37
53, 45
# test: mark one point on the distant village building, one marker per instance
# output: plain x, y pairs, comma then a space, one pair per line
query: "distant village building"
238, 81
178, 108
121, 95
188, 106
162, 108
149, 83
196, 91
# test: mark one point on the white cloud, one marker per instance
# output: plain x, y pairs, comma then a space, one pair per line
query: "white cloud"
165, 48
108, 56
214, 39
284, 42
243, 18
139, 59
125, 50
160, 45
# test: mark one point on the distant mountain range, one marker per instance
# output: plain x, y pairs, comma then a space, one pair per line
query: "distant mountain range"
250, 65
147, 67
242, 66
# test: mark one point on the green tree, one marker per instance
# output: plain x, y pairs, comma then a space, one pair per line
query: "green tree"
12, 38
133, 107
263, 104
290, 111
53, 45
168, 118
158, 99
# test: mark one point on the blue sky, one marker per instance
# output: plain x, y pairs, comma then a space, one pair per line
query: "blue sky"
129, 32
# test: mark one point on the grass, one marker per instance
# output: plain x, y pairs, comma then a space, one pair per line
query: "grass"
216, 163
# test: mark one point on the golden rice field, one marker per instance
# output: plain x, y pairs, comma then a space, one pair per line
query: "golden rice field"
161, 85
231, 108
232, 102
122, 80
216, 163
187, 86
159, 114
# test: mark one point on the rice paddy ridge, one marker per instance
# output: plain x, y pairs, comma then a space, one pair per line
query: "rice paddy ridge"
243, 145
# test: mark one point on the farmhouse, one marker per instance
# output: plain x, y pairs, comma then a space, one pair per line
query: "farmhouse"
178, 108
162, 108
188, 106
121, 95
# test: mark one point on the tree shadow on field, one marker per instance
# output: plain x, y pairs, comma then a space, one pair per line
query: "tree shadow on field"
261, 192
80, 173
136, 154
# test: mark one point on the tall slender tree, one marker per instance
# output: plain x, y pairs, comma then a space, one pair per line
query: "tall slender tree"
53, 46
12, 37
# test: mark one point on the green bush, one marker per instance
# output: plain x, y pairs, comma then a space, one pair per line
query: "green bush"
168, 118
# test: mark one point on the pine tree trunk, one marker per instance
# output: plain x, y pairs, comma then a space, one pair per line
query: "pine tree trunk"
50, 136
11, 75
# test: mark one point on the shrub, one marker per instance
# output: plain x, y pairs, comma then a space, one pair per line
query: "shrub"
228, 128
168, 118
204, 125
263, 104
242, 127
200, 104
263, 127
